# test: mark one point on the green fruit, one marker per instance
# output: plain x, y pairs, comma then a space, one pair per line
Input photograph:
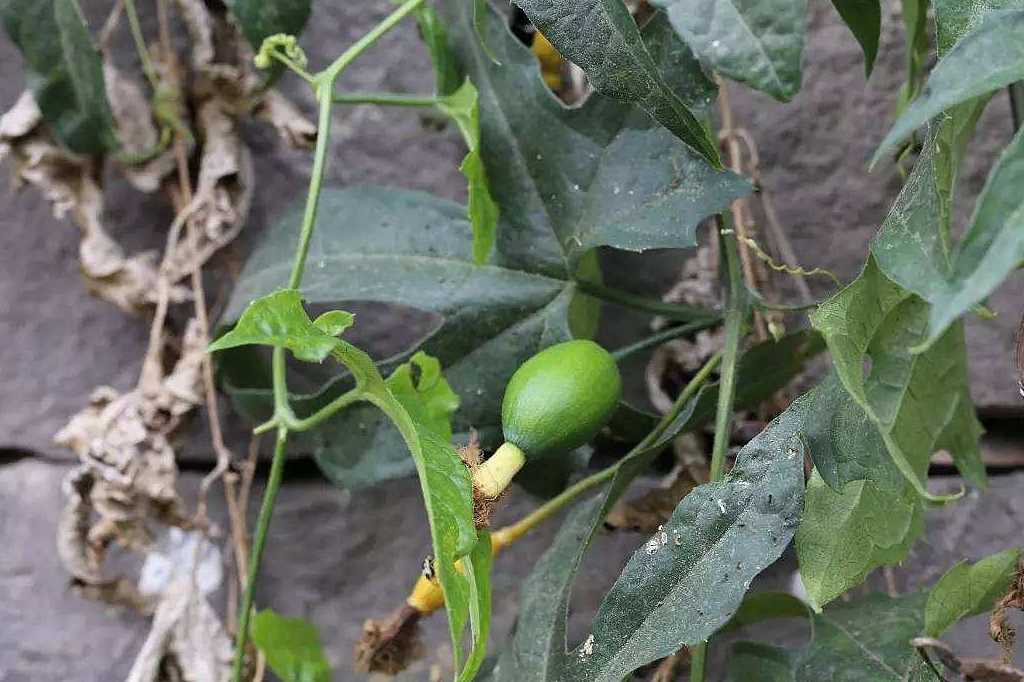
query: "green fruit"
560, 398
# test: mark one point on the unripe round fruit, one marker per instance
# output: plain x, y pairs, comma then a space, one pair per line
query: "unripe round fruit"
560, 398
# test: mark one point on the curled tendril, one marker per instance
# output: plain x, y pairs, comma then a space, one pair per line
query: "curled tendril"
277, 46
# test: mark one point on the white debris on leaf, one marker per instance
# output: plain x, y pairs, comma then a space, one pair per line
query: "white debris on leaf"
588, 647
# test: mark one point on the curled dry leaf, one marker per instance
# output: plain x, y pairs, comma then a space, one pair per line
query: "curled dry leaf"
186, 634
1000, 628
127, 473
68, 182
280, 112
136, 132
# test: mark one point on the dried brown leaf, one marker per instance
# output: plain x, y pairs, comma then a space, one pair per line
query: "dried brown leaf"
1000, 628
136, 131
968, 669
280, 112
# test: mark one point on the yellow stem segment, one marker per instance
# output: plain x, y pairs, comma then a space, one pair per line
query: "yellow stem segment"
493, 476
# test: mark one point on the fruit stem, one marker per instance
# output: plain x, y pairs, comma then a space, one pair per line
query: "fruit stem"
493, 476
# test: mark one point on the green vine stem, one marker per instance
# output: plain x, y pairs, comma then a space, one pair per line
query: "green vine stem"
392, 99
735, 318
663, 336
673, 311
284, 419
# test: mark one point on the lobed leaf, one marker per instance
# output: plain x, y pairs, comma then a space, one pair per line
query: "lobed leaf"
845, 534
291, 646
260, 19
565, 181
66, 71
757, 42
917, 402
969, 589
910, 247
602, 38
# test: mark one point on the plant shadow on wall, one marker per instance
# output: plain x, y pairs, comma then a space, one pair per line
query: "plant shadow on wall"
587, 125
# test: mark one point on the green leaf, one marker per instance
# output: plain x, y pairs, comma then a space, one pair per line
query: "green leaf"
989, 57
601, 37
843, 535
279, 320
463, 107
428, 398
680, 586
66, 71
419, 408
955, 18
479, 572
918, 402
757, 42
291, 646
911, 250
261, 19
565, 180
866, 640
760, 606
446, 72
864, 17
969, 589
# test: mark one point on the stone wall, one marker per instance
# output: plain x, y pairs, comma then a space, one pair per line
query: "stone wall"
326, 547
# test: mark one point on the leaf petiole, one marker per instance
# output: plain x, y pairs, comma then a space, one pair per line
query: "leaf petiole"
673, 311
392, 99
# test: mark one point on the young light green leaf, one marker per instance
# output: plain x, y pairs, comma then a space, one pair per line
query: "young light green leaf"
918, 402
865, 640
989, 57
291, 646
864, 17
279, 320
479, 572
680, 586
463, 108
601, 37
67, 74
334, 322
843, 535
261, 19
446, 72
428, 398
757, 42
910, 248
969, 589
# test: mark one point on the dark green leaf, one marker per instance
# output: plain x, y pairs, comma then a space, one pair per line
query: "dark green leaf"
989, 57
463, 107
601, 37
261, 19
867, 640
918, 402
291, 646
279, 320
66, 71
759, 606
864, 17
969, 589
757, 42
911, 250
843, 535
680, 586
